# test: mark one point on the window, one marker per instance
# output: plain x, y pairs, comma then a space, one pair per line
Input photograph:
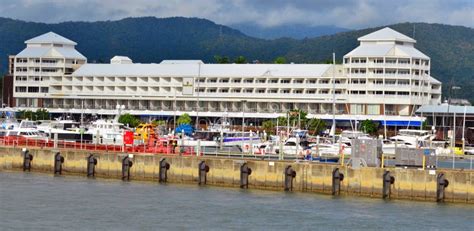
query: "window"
285, 81
224, 90
324, 81
260, 80
373, 109
273, 91
248, 90
274, 81
298, 81
212, 80
223, 80
261, 91
236, 80
285, 91
357, 109
311, 91
20, 78
33, 89
248, 81
211, 90
298, 91
44, 90
312, 81
20, 89
398, 43
236, 91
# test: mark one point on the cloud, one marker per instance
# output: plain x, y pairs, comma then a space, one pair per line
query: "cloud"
268, 13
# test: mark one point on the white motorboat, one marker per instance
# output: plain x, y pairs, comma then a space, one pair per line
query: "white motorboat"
106, 132
407, 138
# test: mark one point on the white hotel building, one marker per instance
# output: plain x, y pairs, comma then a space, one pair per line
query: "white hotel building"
385, 78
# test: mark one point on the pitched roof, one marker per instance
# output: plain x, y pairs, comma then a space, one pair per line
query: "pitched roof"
50, 37
47, 52
208, 70
378, 50
386, 34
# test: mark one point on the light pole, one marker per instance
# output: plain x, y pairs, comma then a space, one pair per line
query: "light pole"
199, 89
243, 122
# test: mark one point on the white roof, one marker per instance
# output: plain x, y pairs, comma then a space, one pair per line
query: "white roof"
386, 34
50, 52
50, 37
208, 70
444, 108
121, 60
182, 62
433, 80
379, 50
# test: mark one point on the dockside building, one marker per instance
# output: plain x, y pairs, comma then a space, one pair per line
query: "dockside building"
385, 78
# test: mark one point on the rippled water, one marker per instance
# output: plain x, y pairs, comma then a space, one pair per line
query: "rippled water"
44, 202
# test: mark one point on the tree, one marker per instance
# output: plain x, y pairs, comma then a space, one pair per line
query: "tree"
280, 60
268, 126
316, 125
240, 60
368, 126
282, 121
158, 122
41, 114
184, 119
26, 114
221, 60
129, 119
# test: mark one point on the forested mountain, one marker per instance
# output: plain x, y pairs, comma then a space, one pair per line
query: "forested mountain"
150, 39
296, 31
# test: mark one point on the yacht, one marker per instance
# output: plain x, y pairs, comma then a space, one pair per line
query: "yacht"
410, 138
106, 132
67, 130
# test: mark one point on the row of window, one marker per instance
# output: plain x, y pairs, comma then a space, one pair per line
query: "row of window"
387, 61
32, 89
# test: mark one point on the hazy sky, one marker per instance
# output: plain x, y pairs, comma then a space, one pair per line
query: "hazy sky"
342, 13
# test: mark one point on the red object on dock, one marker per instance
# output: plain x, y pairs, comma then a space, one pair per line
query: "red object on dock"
128, 137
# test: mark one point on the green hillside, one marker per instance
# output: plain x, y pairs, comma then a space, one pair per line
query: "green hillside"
150, 39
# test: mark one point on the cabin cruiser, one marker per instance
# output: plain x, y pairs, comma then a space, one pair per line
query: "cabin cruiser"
25, 128
407, 138
67, 130
106, 132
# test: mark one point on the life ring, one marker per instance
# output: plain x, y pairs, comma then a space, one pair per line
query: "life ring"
246, 147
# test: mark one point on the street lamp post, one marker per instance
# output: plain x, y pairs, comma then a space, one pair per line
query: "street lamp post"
243, 122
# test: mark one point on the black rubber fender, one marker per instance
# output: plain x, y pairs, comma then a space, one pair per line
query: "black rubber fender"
167, 166
31, 157
341, 176
95, 161
130, 164
249, 171
206, 168
446, 183
392, 180
62, 159
293, 173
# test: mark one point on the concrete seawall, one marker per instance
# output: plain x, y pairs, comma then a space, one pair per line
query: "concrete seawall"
412, 184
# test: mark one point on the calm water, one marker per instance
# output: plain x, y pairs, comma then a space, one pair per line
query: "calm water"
43, 202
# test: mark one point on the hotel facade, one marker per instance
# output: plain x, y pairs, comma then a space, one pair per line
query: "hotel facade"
385, 78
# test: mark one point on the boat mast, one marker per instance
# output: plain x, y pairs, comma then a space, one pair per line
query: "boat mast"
334, 97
